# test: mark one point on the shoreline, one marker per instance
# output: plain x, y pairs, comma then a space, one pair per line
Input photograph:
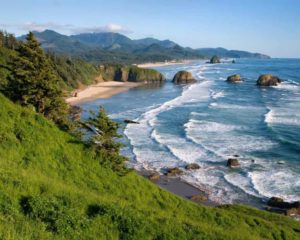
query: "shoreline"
178, 187
101, 90
187, 191
161, 64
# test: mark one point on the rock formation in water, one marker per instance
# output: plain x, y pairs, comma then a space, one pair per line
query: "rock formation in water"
233, 162
123, 73
268, 80
183, 77
234, 78
215, 59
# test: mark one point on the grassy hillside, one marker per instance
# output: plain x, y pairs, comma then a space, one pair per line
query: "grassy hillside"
52, 187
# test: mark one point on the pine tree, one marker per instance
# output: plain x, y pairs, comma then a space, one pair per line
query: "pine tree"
105, 130
34, 82
103, 141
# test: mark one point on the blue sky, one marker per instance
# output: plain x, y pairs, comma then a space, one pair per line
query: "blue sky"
266, 26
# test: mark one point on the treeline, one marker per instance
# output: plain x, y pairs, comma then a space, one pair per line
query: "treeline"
72, 72
8, 40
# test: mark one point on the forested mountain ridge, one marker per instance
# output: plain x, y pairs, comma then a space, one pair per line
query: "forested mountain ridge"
108, 47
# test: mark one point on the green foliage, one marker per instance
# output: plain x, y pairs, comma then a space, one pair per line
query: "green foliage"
34, 82
54, 187
73, 72
103, 133
131, 73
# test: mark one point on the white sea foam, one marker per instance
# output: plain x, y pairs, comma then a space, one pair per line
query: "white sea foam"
242, 182
218, 94
223, 139
282, 116
269, 116
181, 148
283, 183
149, 146
291, 86
211, 180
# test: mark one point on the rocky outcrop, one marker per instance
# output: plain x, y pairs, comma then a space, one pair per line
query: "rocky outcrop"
268, 80
234, 78
199, 198
192, 166
154, 176
171, 172
233, 162
130, 121
123, 73
289, 208
280, 203
215, 59
183, 77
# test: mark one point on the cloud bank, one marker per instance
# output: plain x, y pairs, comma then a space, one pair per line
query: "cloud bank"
67, 28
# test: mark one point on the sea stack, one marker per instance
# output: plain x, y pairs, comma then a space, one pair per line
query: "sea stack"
215, 59
234, 78
268, 80
183, 77
233, 162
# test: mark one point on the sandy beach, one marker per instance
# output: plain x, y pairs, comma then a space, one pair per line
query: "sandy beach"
101, 90
160, 64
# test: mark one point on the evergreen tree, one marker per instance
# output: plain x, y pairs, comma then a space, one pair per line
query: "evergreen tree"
2, 39
34, 82
103, 141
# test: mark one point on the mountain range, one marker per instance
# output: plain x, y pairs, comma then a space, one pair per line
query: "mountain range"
115, 47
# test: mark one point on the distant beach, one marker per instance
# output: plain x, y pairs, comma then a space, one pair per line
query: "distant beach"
160, 64
101, 90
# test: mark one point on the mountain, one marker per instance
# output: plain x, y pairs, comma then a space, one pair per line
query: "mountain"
224, 53
176, 51
114, 47
102, 40
150, 41
59, 43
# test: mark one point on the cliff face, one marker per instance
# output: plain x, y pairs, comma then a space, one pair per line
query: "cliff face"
117, 72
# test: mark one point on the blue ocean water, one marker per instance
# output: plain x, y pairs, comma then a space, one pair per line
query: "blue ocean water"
212, 120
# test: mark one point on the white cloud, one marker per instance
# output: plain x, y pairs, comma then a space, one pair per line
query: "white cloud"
106, 28
66, 28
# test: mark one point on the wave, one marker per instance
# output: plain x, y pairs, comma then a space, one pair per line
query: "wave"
155, 150
186, 152
218, 94
282, 117
225, 140
291, 86
282, 183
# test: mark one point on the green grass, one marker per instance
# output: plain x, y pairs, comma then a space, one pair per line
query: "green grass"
52, 187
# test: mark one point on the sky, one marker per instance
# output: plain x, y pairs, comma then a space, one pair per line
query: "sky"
266, 26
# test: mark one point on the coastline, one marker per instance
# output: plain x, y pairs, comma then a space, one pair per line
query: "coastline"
161, 64
101, 90
178, 187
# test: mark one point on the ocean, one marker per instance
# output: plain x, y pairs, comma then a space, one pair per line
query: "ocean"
211, 121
